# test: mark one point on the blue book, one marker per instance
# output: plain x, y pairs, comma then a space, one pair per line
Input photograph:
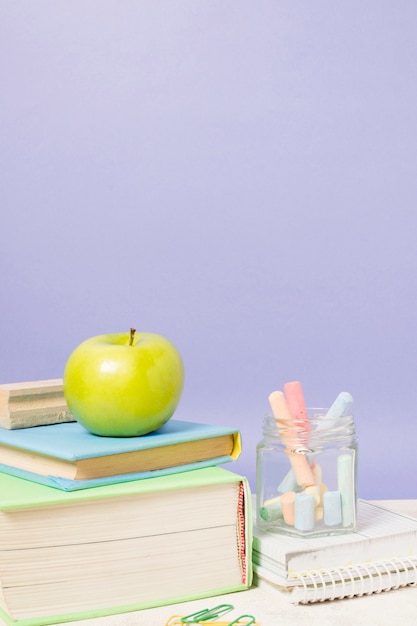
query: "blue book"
68, 457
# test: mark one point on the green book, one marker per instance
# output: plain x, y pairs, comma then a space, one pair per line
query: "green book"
67, 556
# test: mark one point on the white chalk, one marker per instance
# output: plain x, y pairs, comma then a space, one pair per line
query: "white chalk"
332, 508
346, 486
304, 511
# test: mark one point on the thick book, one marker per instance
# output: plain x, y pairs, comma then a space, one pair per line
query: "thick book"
67, 556
380, 555
68, 457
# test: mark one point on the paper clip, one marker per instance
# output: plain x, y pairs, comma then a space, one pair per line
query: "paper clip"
177, 620
174, 620
206, 614
238, 621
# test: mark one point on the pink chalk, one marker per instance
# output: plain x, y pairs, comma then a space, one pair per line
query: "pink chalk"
295, 400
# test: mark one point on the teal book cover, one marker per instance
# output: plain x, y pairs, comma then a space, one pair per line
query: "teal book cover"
66, 456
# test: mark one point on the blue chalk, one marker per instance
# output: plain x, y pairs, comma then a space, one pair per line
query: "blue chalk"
304, 511
332, 503
340, 407
288, 483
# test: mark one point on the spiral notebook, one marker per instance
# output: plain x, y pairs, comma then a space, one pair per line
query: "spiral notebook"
381, 555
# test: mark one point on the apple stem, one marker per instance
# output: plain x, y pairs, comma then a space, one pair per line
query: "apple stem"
132, 334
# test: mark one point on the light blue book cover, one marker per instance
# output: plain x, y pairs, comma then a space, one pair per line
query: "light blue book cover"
23, 450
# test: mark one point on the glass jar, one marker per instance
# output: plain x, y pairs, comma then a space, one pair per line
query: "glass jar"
306, 475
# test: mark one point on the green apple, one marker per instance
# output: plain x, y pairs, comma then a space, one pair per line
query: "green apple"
123, 385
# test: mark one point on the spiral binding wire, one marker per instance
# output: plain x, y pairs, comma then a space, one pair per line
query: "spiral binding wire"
347, 582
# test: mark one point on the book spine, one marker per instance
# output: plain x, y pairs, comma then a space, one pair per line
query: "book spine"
241, 532
359, 580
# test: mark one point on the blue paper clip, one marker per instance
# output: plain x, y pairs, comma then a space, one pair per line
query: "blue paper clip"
207, 614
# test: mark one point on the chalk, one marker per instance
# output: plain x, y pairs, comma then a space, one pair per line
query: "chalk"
285, 422
287, 501
332, 508
288, 483
346, 486
314, 490
295, 400
275, 500
271, 510
304, 511
318, 513
323, 490
317, 473
340, 407
283, 417
302, 470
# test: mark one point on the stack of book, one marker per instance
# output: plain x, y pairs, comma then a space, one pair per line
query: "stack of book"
93, 526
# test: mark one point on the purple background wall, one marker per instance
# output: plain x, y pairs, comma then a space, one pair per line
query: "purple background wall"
238, 176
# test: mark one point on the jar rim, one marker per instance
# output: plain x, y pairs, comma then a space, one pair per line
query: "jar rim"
316, 428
